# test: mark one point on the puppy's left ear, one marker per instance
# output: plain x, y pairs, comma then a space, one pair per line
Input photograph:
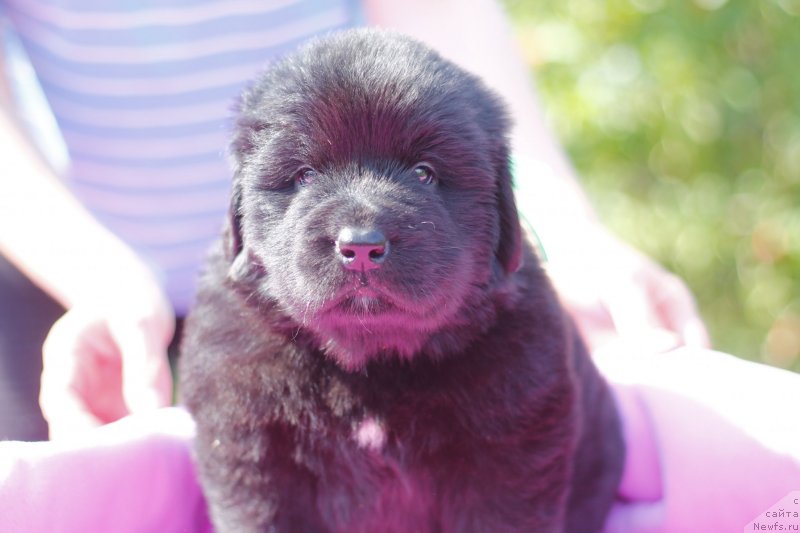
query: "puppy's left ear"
509, 248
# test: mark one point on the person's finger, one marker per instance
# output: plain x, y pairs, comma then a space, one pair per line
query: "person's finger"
635, 318
67, 418
630, 310
695, 334
677, 309
146, 376
61, 404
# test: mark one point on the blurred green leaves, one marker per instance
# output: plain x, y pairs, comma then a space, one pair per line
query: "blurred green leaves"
683, 119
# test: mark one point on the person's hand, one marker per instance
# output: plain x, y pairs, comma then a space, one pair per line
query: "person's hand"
619, 297
106, 358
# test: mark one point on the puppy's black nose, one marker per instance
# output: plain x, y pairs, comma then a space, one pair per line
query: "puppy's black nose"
362, 249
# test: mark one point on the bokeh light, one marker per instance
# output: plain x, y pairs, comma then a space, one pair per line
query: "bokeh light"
683, 120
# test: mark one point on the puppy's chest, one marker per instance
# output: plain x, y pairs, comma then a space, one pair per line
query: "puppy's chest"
389, 423
397, 435
391, 455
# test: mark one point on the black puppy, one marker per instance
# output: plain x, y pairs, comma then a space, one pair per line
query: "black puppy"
374, 348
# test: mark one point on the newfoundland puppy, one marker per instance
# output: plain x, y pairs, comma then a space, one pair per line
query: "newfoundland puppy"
374, 347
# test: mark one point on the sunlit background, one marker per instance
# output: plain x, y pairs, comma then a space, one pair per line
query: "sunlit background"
683, 120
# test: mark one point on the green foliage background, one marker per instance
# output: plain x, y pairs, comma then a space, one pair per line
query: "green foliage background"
683, 120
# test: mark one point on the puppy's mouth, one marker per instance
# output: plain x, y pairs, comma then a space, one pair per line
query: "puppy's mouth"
362, 303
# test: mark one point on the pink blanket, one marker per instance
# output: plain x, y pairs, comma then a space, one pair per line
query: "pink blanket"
713, 442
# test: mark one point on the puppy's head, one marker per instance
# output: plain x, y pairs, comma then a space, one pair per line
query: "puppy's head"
372, 198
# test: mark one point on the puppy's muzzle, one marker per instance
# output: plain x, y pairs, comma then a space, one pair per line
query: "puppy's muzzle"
362, 249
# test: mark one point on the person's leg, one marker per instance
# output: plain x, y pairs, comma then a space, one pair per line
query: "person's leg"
26, 314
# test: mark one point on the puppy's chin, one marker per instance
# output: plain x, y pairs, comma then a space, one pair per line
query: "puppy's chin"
363, 330
354, 351
356, 319
356, 333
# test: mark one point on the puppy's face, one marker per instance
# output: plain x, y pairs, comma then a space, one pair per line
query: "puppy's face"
372, 200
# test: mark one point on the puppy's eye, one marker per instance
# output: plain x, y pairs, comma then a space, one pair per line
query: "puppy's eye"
425, 174
306, 176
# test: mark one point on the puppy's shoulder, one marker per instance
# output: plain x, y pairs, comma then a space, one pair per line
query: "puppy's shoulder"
234, 341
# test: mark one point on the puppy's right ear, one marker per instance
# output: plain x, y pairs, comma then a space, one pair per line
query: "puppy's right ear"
232, 231
244, 267
243, 264
241, 146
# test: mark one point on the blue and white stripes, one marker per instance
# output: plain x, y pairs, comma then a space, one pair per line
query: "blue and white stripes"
142, 92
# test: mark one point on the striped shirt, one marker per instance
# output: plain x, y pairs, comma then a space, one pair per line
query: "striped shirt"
142, 93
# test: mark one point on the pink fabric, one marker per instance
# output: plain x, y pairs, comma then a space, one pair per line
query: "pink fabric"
713, 441
135, 475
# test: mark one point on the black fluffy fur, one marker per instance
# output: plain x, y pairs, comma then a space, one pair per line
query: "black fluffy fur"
445, 391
